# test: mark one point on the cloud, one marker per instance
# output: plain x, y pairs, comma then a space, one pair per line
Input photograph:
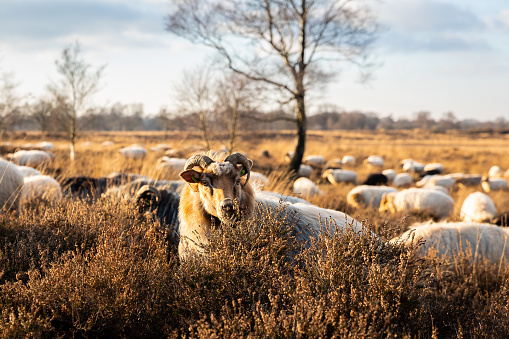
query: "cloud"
430, 26
36, 22
503, 19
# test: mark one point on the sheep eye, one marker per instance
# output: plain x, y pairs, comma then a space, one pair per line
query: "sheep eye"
204, 183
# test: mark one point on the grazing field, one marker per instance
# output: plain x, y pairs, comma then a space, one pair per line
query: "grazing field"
99, 269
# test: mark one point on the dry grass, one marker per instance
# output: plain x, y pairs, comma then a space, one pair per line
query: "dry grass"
100, 270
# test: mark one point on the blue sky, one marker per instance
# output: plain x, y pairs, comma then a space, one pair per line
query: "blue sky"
434, 55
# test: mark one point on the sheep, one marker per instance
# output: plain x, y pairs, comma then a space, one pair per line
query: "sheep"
217, 192
480, 241
41, 188
315, 161
375, 179
305, 171
170, 164
493, 184
478, 207
430, 181
133, 152
33, 158
437, 203
375, 161
128, 190
11, 183
496, 171
27, 171
160, 148
390, 174
467, 179
412, 166
84, 188
368, 195
348, 160
402, 180
107, 143
336, 176
438, 168
259, 179
333, 164
306, 188
45, 146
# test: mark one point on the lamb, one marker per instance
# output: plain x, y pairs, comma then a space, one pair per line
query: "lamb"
375, 179
368, 195
306, 188
337, 176
33, 158
480, 241
402, 180
41, 188
478, 207
217, 192
375, 161
493, 184
133, 152
436, 202
11, 183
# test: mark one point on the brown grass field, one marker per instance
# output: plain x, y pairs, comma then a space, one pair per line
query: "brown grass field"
100, 270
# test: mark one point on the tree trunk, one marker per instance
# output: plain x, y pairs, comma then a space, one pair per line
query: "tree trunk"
72, 138
203, 124
233, 127
300, 110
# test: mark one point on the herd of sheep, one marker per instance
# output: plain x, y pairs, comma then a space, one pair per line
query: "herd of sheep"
216, 189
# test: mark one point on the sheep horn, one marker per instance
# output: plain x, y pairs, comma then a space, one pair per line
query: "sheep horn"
143, 193
237, 158
198, 160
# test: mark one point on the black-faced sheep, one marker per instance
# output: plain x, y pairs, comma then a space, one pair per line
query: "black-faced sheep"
375, 179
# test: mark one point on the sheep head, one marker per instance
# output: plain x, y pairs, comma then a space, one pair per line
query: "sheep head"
221, 185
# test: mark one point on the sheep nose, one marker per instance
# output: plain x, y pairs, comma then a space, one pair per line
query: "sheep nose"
227, 206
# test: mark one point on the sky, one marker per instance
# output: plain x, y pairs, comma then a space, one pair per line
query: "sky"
432, 55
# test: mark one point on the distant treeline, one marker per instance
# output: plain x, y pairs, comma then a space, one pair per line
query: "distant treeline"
120, 117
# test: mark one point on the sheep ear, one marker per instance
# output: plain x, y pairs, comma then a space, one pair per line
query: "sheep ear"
191, 176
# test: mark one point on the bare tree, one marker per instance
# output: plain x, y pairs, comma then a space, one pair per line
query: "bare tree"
235, 95
289, 45
75, 88
194, 95
10, 108
41, 113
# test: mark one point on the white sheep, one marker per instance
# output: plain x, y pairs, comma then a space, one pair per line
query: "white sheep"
33, 158
170, 164
402, 180
434, 166
45, 146
375, 161
467, 179
493, 184
337, 176
11, 182
133, 152
27, 171
41, 187
433, 201
412, 166
390, 174
496, 171
366, 195
258, 179
107, 143
478, 207
334, 164
348, 160
315, 161
430, 181
479, 241
306, 188
305, 171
